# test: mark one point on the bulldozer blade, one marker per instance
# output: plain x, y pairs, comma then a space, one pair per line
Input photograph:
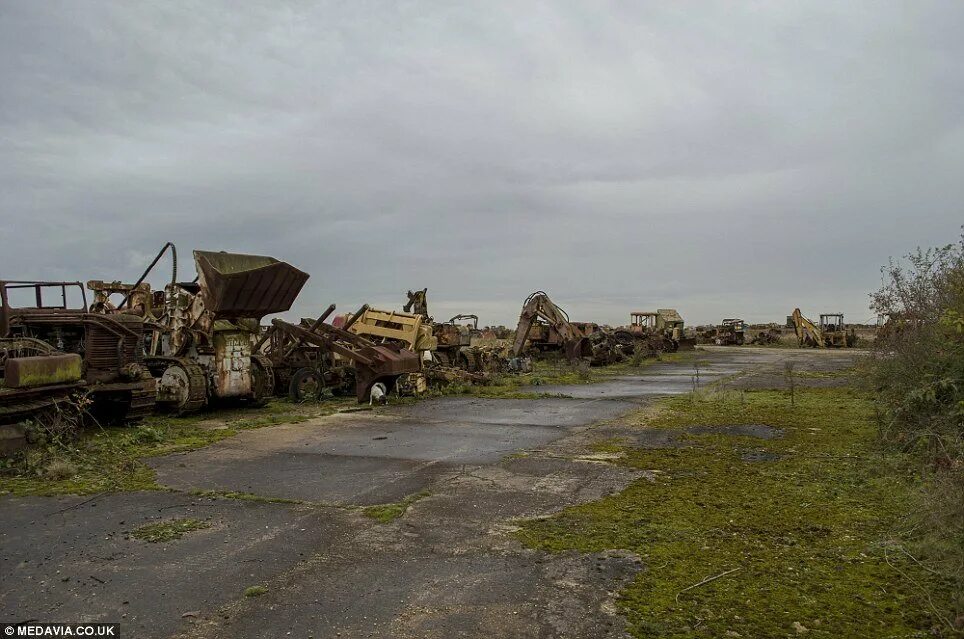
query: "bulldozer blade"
388, 363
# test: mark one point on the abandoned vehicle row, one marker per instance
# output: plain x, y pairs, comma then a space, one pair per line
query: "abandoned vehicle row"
130, 350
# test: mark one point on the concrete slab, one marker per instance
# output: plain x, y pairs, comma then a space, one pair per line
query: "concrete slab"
542, 412
72, 559
440, 596
365, 458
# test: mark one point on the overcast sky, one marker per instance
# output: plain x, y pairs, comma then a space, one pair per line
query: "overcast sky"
723, 160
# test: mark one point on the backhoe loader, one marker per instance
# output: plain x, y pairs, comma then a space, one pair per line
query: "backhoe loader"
830, 333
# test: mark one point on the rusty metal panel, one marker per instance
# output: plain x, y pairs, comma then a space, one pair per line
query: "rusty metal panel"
232, 360
44, 370
238, 285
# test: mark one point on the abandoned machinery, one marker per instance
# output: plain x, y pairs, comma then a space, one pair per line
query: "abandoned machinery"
59, 361
202, 333
545, 327
314, 356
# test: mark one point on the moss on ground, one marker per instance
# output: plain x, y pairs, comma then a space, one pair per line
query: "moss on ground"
811, 535
167, 530
112, 459
385, 513
234, 494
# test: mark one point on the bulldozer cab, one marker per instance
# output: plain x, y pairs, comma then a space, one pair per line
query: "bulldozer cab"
18, 298
832, 322
643, 320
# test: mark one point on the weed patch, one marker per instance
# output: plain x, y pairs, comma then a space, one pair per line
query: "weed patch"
804, 539
385, 513
167, 530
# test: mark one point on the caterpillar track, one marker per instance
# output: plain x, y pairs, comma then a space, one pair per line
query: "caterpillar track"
193, 396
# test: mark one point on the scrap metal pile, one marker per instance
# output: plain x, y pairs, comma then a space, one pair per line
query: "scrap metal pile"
544, 327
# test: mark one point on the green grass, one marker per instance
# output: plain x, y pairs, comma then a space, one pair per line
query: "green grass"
233, 494
167, 530
385, 513
812, 537
255, 591
112, 459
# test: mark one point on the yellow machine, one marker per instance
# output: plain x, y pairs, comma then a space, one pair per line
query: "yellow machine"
406, 328
808, 333
830, 333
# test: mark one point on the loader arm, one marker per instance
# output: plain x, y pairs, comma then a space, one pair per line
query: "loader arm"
808, 334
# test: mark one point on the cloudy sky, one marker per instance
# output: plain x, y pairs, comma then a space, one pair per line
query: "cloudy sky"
722, 159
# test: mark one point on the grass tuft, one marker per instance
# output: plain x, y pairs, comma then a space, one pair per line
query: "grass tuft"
167, 530
255, 591
386, 513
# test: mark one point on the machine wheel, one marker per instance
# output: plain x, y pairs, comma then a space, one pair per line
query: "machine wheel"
262, 380
306, 384
182, 387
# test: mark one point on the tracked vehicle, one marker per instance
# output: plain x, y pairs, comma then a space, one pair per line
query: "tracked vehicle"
203, 333
51, 347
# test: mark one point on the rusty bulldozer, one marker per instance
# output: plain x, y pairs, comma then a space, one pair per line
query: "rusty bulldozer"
731, 332
322, 354
52, 348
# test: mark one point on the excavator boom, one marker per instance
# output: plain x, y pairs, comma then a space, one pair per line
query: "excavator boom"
808, 334
537, 307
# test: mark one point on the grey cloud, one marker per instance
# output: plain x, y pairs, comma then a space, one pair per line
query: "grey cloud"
719, 158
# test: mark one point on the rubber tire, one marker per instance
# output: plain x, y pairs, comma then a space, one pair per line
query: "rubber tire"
300, 376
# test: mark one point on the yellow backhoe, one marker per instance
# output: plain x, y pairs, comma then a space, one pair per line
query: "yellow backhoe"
830, 333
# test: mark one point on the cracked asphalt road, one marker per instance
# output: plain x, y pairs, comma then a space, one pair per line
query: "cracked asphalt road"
448, 568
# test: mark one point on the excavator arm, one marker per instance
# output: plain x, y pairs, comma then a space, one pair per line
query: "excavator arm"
537, 307
808, 333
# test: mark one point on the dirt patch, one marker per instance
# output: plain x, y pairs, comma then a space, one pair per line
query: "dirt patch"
760, 431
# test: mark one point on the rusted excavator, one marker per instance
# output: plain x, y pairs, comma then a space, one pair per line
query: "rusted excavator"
546, 327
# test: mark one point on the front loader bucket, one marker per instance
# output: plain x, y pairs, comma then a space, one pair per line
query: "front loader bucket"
234, 285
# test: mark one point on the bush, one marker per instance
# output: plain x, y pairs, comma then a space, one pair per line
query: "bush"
917, 373
59, 469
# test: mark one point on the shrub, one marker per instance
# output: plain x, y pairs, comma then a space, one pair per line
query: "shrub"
917, 373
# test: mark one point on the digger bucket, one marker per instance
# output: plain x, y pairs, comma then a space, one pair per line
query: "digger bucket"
234, 285
577, 349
